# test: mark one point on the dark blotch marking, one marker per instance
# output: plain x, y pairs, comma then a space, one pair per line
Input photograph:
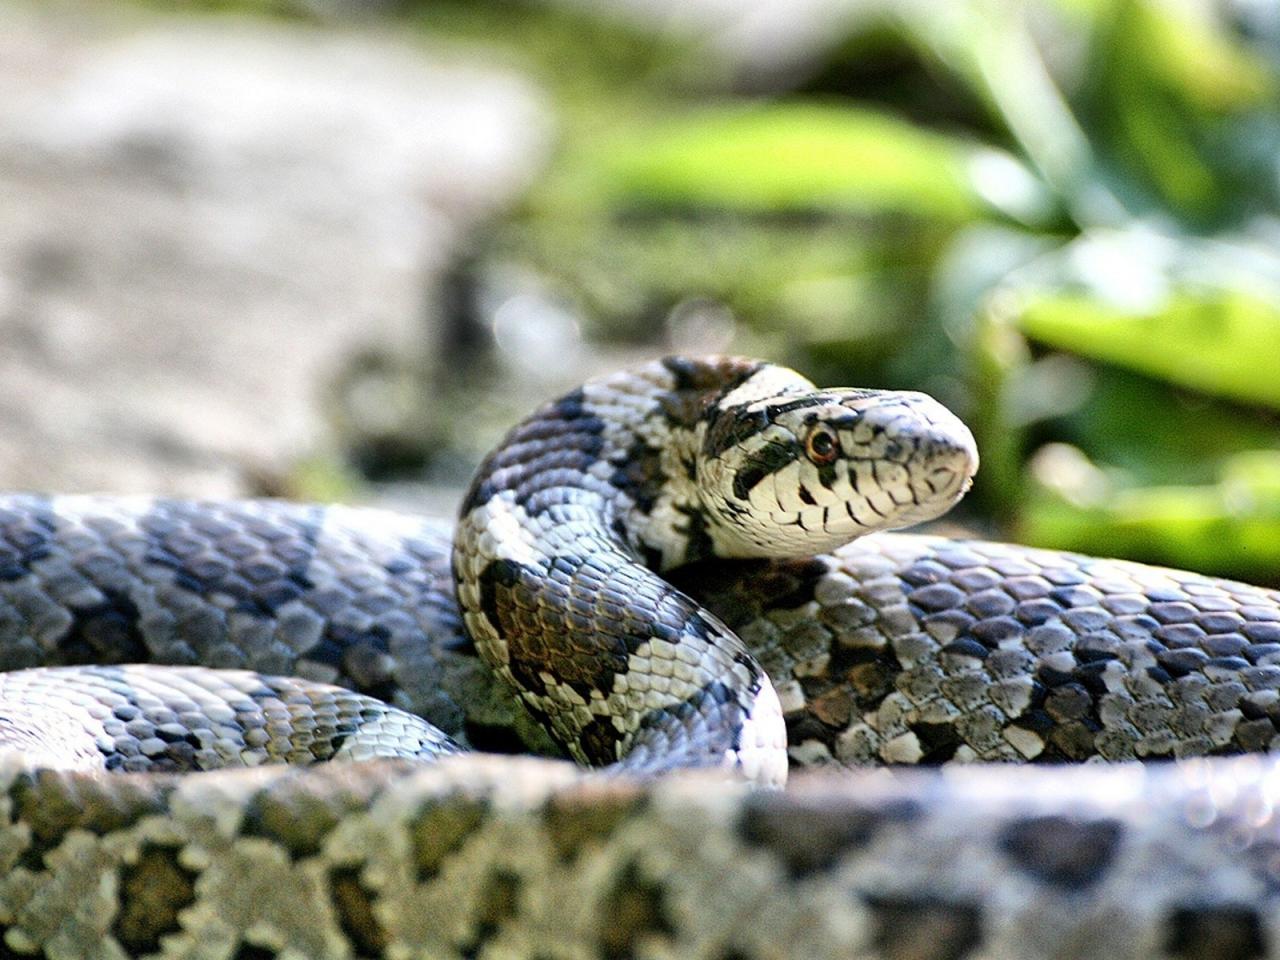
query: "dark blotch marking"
826, 475
725, 374
994, 631
714, 699
153, 892
1179, 663
251, 951
571, 406
498, 575
287, 541
1036, 720
563, 435
636, 910
812, 834
772, 458
493, 738
299, 566
586, 819
786, 406
739, 591
659, 718
1053, 677
1215, 932
730, 428
28, 528
599, 741
1090, 654
1061, 851
639, 474
43, 801
496, 902
546, 618
924, 928
480, 492
353, 904
967, 647
358, 655
442, 828
294, 817
699, 545
1091, 677
718, 693
685, 408
938, 742
108, 632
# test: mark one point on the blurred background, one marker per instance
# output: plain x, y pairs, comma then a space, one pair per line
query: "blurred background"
332, 249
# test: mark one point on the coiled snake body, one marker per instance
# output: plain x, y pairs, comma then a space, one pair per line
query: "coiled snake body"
586, 577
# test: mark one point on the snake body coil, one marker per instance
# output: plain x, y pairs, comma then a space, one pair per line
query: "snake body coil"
678, 461
896, 648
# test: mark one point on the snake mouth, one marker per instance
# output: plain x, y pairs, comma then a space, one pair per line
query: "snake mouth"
943, 472
952, 462
933, 456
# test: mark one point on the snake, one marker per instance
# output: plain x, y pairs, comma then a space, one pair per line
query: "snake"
252, 729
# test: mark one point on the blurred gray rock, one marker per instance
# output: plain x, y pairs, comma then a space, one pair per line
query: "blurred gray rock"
205, 219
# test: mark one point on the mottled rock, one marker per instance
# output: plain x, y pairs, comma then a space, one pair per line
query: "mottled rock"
206, 219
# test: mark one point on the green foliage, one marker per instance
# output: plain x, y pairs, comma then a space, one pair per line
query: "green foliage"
1149, 435
1225, 342
833, 294
1168, 95
1080, 198
1060, 216
1231, 526
799, 156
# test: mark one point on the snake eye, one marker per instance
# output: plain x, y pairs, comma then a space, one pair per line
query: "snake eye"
822, 445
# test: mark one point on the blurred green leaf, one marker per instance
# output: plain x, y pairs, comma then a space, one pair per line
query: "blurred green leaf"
1224, 342
808, 156
1231, 527
1157, 435
801, 289
1163, 89
1192, 56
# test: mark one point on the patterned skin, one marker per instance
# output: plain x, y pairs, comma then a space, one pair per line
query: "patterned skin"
133, 718
896, 648
676, 461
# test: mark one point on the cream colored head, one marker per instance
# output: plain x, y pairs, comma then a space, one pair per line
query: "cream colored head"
805, 473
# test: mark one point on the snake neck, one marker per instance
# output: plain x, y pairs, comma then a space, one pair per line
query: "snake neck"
555, 561
624, 450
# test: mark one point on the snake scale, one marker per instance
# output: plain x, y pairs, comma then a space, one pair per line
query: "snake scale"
590, 575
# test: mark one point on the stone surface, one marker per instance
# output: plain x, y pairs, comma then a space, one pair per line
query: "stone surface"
206, 219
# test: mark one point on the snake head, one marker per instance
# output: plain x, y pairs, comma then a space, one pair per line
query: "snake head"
797, 474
